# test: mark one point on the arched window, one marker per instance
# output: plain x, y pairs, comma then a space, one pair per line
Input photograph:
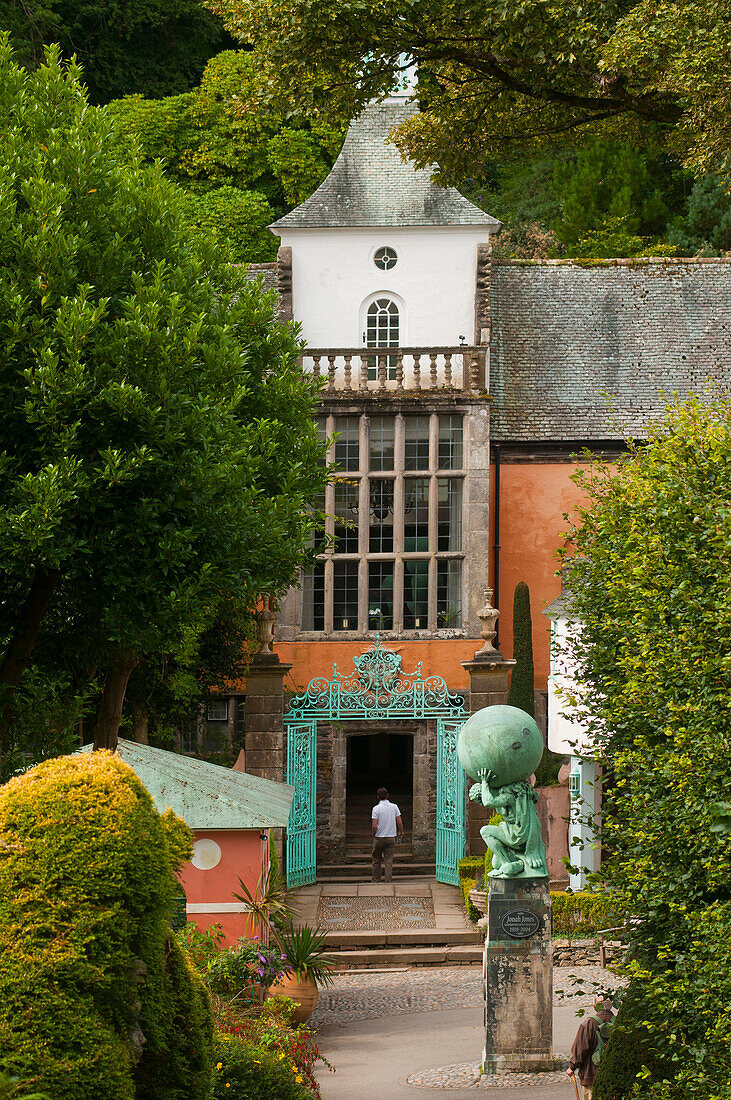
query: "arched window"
382, 324
383, 330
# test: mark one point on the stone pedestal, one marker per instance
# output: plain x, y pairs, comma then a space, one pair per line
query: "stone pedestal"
264, 725
489, 681
518, 975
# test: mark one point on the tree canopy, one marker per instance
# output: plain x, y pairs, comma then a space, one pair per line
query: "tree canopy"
494, 75
153, 47
157, 449
650, 585
242, 164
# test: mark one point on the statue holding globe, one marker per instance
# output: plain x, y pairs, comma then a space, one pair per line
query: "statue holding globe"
501, 747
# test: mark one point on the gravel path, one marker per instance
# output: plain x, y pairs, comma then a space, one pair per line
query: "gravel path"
365, 994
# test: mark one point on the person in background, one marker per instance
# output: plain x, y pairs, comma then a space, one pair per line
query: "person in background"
591, 1038
387, 825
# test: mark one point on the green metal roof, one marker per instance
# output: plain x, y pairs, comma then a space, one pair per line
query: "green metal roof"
205, 795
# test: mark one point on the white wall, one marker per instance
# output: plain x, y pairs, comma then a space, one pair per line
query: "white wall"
333, 274
567, 732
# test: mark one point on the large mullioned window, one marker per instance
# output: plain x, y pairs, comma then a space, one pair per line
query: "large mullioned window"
394, 560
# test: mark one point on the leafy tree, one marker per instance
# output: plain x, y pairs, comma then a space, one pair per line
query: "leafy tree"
522, 683
243, 165
650, 580
612, 182
612, 238
157, 449
154, 47
706, 228
493, 75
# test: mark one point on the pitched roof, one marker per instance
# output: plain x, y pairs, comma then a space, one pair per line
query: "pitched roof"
594, 351
370, 185
205, 795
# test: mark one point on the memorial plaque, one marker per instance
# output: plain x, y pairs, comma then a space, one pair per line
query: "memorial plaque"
519, 924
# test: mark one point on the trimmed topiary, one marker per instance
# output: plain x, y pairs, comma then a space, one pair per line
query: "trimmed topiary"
522, 685
471, 867
94, 991
465, 885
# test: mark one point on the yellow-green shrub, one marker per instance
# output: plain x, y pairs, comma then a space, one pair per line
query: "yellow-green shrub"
93, 988
465, 885
582, 913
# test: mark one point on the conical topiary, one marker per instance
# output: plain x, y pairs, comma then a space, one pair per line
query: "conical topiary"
521, 682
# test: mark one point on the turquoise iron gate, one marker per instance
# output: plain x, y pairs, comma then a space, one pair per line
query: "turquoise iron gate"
301, 829
377, 689
451, 803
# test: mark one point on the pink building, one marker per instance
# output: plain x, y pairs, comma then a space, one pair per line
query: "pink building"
230, 813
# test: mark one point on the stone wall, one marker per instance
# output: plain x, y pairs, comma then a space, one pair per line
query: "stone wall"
332, 793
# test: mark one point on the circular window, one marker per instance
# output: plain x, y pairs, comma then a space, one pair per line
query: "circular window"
385, 258
206, 854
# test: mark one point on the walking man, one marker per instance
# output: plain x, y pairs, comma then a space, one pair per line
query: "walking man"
591, 1038
386, 823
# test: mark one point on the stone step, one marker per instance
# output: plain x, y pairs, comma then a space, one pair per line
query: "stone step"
404, 937
347, 872
445, 955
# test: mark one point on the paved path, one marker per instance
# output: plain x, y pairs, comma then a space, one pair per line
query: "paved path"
449, 914
380, 1029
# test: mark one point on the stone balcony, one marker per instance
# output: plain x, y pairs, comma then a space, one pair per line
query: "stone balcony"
356, 372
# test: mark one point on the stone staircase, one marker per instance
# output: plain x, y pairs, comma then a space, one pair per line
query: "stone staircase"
383, 950
453, 940
357, 866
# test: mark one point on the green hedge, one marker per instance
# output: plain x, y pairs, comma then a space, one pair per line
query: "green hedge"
580, 914
246, 1072
94, 992
467, 884
471, 867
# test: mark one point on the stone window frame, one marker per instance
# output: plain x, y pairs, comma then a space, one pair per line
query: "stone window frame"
363, 478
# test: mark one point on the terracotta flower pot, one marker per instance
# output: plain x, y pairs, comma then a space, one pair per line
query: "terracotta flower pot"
479, 900
301, 990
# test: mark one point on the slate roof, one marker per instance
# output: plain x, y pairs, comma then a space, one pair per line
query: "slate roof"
266, 272
370, 185
205, 795
595, 352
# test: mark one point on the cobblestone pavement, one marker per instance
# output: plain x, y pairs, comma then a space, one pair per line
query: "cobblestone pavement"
467, 1076
364, 914
364, 994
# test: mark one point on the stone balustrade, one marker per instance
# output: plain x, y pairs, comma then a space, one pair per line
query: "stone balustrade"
396, 370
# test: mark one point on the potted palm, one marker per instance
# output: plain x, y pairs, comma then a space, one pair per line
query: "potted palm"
309, 965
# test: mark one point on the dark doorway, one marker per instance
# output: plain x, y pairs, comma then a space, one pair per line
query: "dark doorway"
377, 760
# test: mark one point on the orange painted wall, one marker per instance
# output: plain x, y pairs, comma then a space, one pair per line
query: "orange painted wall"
439, 657
243, 855
533, 500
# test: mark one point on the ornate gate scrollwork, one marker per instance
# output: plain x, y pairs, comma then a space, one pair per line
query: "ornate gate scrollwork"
377, 689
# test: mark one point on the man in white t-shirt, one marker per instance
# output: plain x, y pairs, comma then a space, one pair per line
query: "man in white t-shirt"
387, 825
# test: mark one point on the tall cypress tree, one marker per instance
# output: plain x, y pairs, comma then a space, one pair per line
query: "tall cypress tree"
521, 681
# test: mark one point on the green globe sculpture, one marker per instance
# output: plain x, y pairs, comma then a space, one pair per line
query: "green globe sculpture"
501, 747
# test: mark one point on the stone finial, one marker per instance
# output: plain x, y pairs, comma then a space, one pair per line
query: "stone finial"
265, 620
488, 616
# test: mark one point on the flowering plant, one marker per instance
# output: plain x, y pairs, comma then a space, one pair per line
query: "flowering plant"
243, 972
267, 1029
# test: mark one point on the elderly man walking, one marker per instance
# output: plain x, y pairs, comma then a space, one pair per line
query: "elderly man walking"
387, 825
591, 1038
